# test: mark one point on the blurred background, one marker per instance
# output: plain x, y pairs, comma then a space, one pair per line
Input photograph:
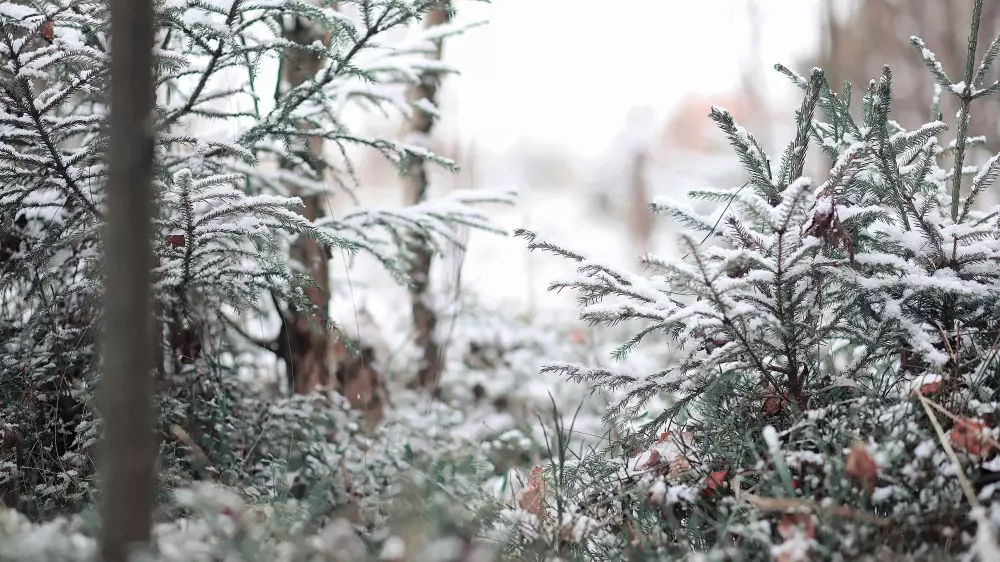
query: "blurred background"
592, 109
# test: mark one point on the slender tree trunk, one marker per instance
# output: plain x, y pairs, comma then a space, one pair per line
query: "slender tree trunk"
305, 337
424, 317
831, 51
314, 357
129, 443
752, 78
641, 223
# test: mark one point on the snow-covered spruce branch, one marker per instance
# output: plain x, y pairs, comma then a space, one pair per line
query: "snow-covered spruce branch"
804, 317
227, 160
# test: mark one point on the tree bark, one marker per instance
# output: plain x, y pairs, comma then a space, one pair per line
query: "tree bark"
424, 316
129, 442
314, 357
305, 337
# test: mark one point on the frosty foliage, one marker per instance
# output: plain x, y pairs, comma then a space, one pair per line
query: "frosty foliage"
300, 477
225, 215
829, 391
825, 331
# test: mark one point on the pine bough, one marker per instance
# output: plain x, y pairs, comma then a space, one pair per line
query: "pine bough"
806, 316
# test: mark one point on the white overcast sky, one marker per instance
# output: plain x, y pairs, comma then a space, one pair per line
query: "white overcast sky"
567, 71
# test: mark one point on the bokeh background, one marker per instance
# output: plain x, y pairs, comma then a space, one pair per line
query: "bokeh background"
592, 109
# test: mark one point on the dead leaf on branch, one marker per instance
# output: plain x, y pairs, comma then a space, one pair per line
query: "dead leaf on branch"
532, 498
825, 224
714, 481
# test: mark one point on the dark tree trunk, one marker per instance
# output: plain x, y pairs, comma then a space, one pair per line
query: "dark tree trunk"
126, 390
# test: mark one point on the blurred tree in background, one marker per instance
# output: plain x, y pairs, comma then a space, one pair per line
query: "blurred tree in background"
859, 37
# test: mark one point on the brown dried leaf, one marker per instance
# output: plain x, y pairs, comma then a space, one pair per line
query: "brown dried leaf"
532, 498
930, 388
772, 405
713, 481
652, 462
790, 522
789, 528
968, 435
860, 466
680, 463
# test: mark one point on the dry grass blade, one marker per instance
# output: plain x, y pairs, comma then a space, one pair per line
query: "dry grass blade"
197, 452
986, 543
799, 505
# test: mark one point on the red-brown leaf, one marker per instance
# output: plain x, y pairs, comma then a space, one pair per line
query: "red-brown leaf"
176, 240
651, 462
532, 499
860, 466
790, 522
788, 528
930, 388
772, 405
968, 435
714, 480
